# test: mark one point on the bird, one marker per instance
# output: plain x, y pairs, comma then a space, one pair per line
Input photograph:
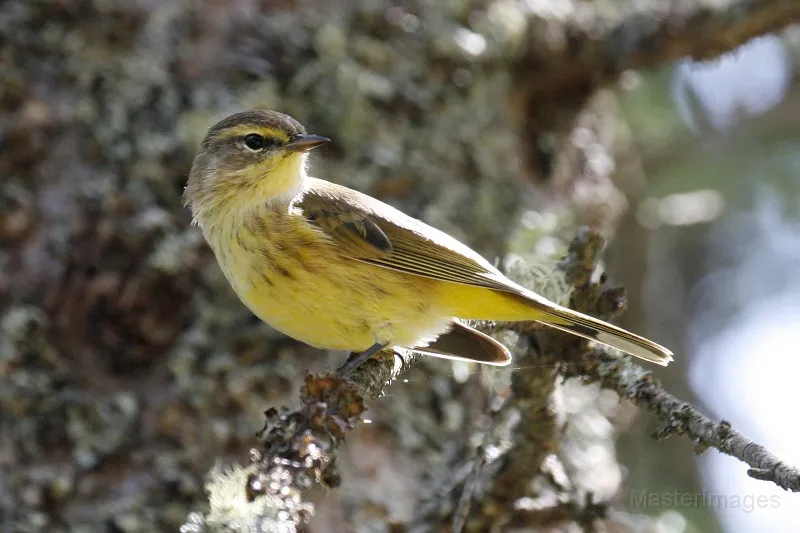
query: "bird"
338, 269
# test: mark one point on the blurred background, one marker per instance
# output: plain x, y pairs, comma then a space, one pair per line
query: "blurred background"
128, 368
716, 225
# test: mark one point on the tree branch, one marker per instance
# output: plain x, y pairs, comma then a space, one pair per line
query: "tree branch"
299, 447
632, 382
588, 53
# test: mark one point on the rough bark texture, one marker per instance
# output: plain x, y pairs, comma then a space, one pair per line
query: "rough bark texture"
127, 366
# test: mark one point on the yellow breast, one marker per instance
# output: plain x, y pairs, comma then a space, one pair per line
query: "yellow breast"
292, 276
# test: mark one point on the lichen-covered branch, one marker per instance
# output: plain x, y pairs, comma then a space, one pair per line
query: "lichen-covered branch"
302, 444
632, 382
535, 436
645, 36
590, 52
299, 448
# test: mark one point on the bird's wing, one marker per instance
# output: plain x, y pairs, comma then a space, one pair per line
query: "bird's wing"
368, 230
464, 343
355, 232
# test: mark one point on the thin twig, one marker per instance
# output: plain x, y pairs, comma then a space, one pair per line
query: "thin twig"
465, 501
632, 382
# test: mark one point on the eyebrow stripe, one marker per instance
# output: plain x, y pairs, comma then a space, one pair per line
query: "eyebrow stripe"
243, 129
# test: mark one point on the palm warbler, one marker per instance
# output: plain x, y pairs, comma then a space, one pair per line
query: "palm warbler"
338, 269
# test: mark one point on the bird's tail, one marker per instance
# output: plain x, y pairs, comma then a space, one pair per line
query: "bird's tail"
520, 304
594, 329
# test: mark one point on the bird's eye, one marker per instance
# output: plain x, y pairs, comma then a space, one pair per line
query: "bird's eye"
255, 142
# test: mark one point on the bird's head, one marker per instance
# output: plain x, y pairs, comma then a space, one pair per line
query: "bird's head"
247, 159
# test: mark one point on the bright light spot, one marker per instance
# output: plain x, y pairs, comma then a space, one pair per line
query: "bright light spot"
551, 9
469, 41
629, 80
547, 246
525, 503
460, 371
546, 222
683, 209
691, 208
506, 13
598, 160
672, 521
493, 453
751, 79
531, 219
581, 137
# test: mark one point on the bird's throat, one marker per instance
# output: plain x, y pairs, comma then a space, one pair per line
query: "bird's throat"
284, 181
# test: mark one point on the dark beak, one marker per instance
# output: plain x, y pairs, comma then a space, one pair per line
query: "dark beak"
304, 143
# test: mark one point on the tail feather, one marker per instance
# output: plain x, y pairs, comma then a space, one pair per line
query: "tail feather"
605, 333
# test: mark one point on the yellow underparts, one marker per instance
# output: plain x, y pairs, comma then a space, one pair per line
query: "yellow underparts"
292, 276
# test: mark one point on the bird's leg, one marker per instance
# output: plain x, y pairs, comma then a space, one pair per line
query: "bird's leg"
356, 359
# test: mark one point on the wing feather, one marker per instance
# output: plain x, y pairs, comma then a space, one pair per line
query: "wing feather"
356, 233
368, 230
